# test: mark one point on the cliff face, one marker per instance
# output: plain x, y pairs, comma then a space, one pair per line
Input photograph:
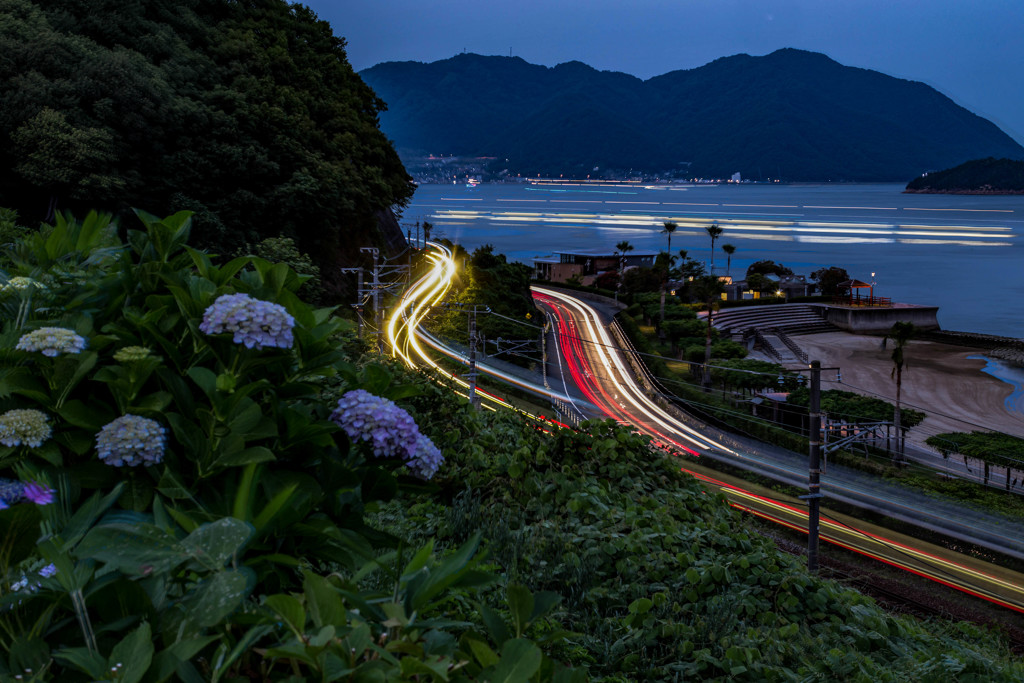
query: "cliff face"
980, 176
791, 115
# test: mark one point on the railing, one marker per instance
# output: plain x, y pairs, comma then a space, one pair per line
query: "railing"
792, 345
849, 300
766, 346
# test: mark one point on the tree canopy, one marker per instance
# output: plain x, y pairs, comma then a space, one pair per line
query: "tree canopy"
768, 267
247, 113
829, 278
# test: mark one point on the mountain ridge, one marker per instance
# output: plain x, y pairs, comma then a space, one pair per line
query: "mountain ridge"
791, 114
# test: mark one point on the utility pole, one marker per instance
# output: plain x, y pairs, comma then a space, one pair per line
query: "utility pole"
358, 305
473, 399
378, 314
814, 494
814, 482
544, 354
471, 311
376, 289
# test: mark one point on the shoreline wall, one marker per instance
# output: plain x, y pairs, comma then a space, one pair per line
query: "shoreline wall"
878, 320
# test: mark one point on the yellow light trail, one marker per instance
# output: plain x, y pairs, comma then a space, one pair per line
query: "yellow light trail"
404, 336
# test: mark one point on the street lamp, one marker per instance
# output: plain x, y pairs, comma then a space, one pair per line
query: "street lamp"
872, 290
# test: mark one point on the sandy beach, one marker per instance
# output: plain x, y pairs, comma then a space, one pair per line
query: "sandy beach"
937, 378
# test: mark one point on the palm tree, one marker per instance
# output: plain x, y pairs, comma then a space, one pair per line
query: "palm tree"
706, 288
901, 334
715, 232
622, 248
427, 227
729, 251
670, 228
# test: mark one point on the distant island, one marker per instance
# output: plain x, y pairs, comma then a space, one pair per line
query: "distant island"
791, 115
981, 176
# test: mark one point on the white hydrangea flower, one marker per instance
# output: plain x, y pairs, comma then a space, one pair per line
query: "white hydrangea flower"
131, 440
24, 427
51, 341
255, 324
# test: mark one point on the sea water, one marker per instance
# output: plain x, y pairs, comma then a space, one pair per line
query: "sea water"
961, 253
1009, 374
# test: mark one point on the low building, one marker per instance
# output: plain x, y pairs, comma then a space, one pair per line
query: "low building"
587, 264
789, 286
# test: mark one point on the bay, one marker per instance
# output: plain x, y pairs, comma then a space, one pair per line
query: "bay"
961, 253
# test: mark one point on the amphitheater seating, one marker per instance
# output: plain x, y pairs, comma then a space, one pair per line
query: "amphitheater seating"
793, 319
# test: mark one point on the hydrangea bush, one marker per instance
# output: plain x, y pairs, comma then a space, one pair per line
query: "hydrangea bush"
174, 443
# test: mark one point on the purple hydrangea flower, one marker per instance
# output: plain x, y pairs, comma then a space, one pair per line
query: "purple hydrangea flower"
254, 323
131, 440
13, 491
37, 493
390, 430
51, 341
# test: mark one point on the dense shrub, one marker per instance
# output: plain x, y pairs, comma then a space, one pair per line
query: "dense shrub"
181, 502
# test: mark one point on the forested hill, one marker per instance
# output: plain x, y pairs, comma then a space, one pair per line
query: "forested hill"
247, 113
980, 176
792, 114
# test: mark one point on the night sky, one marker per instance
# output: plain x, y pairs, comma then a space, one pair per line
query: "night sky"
970, 50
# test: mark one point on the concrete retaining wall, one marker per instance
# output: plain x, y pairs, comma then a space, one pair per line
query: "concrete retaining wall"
879, 320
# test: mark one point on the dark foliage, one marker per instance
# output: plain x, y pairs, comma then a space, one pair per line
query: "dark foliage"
846, 405
981, 176
792, 114
247, 114
828, 279
768, 267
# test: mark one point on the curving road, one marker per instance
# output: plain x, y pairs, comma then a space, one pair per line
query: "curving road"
605, 372
596, 380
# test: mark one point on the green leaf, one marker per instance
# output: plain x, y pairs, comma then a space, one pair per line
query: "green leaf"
89, 416
217, 597
419, 560
520, 659
290, 610
641, 606
213, 544
205, 378
275, 505
253, 454
166, 661
89, 663
133, 655
87, 514
376, 379
137, 549
494, 624
483, 653
325, 604
252, 636
520, 603
543, 603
